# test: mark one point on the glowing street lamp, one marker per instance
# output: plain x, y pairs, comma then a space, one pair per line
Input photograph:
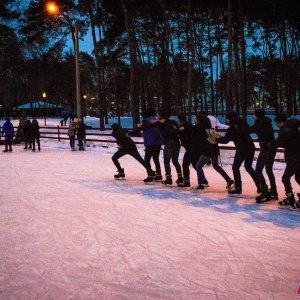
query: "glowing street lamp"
53, 9
44, 95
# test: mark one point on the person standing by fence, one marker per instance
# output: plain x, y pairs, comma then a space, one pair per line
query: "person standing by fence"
8, 131
35, 131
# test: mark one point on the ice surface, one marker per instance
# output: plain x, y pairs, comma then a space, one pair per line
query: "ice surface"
70, 231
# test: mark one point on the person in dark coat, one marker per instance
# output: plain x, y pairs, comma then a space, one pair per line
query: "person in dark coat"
171, 143
8, 131
209, 151
35, 134
80, 133
238, 132
263, 128
126, 146
27, 135
289, 139
191, 137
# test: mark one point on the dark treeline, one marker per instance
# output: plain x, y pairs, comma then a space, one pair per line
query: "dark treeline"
179, 55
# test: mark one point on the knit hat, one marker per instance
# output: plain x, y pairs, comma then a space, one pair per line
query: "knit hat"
231, 115
259, 113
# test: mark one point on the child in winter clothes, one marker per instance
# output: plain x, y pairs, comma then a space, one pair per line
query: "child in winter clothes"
71, 134
8, 131
126, 146
35, 134
238, 132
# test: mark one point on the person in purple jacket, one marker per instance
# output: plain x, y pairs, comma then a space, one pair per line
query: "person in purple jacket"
8, 131
152, 143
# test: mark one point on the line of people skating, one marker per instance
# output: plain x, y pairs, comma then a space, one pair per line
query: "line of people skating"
201, 143
31, 134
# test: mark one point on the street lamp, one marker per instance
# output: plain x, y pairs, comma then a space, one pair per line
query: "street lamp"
44, 97
52, 8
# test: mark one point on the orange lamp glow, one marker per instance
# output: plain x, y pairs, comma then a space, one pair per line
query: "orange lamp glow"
52, 8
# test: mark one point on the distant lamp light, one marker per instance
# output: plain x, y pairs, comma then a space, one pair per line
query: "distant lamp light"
44, 95
52, 8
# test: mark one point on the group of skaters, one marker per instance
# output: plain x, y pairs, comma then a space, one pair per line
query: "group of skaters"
201, 143
31, 134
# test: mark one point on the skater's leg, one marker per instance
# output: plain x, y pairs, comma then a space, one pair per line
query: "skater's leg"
115, 158
290, 170
260, 164
148, 156
248, 167
237, 161
156, 152
186, 165
175, 156
218, 168
269, 169
135, 154
167, 158
199, 167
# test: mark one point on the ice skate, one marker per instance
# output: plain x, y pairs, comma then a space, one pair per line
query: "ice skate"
157, 177
296, 205
179, 179
229, 184
235, 191
149, 180
205, 183
185, 185
198, 189
273, 194
288, 202
168, 181
120, 175
263, 197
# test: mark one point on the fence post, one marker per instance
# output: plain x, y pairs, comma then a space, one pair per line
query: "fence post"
58, 133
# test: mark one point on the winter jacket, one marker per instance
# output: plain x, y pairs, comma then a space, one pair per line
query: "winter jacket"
263, 128
199, 135
185, 135
72, 129
238, 133
27, 129
80, 130
35, 129
123, 139
167, 130
289, 139
151, 136
8, 129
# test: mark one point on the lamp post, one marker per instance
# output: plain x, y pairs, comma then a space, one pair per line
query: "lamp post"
44, 97
52, 8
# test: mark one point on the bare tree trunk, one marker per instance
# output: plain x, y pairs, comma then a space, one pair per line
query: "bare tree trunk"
229, 100
134, 101
192, 60
243, 63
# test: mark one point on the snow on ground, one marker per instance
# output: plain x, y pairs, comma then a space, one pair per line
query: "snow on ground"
70, 231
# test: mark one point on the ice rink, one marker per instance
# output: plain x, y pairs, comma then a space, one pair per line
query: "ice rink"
70, 231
